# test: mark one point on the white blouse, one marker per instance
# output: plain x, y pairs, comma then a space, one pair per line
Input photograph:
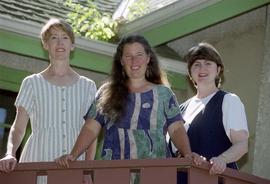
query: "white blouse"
234, 116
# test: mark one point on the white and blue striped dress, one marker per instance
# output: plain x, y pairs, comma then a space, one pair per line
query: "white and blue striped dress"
56, 115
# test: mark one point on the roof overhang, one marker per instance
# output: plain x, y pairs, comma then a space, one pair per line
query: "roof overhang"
184, 17
23, 38
169, 23
97, 48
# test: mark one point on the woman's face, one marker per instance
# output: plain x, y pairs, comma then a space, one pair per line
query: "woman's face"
58, 44
204, 72
135, 60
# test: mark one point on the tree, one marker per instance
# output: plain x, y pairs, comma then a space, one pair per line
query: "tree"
138, 9
88, 22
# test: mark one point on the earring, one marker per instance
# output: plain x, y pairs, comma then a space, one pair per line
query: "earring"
193, 82
218, 81
123, 73
147, 73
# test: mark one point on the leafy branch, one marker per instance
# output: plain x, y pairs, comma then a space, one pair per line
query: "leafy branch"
88, 22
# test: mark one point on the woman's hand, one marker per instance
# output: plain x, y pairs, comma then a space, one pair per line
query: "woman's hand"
8, 163
198, 159
218, 165
64, 160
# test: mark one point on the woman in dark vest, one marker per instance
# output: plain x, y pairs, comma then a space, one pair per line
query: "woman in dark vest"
215, 120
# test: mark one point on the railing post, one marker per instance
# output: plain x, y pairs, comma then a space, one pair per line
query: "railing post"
201, 176
118, 176
158, 175
65, 176
234, 181
28, 177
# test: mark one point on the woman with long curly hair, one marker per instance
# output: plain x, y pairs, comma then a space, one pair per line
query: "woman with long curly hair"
134, 108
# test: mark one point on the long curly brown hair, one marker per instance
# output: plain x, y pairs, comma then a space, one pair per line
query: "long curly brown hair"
113, 94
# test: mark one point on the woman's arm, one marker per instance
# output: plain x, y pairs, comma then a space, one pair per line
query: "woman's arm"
91, 151
239, 147
179, 137
16, 135
235, 124
87, 136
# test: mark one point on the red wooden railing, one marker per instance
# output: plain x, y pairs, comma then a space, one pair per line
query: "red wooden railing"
156, 171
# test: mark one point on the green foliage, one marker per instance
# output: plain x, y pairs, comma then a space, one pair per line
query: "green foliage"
88, 22
138, 9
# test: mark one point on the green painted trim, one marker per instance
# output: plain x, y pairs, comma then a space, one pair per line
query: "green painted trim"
208, 16
5, 125
31, 46
9, 86
21, 44
177, 81
10, 79
200, 19
91, 61
80, 58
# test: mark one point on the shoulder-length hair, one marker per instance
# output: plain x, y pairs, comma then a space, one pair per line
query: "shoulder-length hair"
207, 52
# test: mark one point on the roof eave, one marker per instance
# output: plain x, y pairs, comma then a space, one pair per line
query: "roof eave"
97, 47
181, 18
33, 30
164, 16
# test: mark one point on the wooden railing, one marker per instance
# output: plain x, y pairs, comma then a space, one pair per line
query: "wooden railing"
156, 171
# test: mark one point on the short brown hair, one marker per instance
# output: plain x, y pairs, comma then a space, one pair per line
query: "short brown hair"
207, 52
56, 23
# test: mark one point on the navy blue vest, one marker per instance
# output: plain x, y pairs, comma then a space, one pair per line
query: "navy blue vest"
206, 133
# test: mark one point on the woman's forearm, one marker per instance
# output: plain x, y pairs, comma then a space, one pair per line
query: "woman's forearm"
14, 140
235, 152
180, 139
17, 131
86, 137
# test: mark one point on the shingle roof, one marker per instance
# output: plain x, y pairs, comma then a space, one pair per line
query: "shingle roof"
36, 11
157, 4
108, 6
26, 16
39, 11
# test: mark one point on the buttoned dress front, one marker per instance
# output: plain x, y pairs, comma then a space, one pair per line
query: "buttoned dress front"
56, 115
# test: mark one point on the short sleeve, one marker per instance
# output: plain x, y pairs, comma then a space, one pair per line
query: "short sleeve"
93, 113
92, 91
234, 116
25, 96
172, 111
